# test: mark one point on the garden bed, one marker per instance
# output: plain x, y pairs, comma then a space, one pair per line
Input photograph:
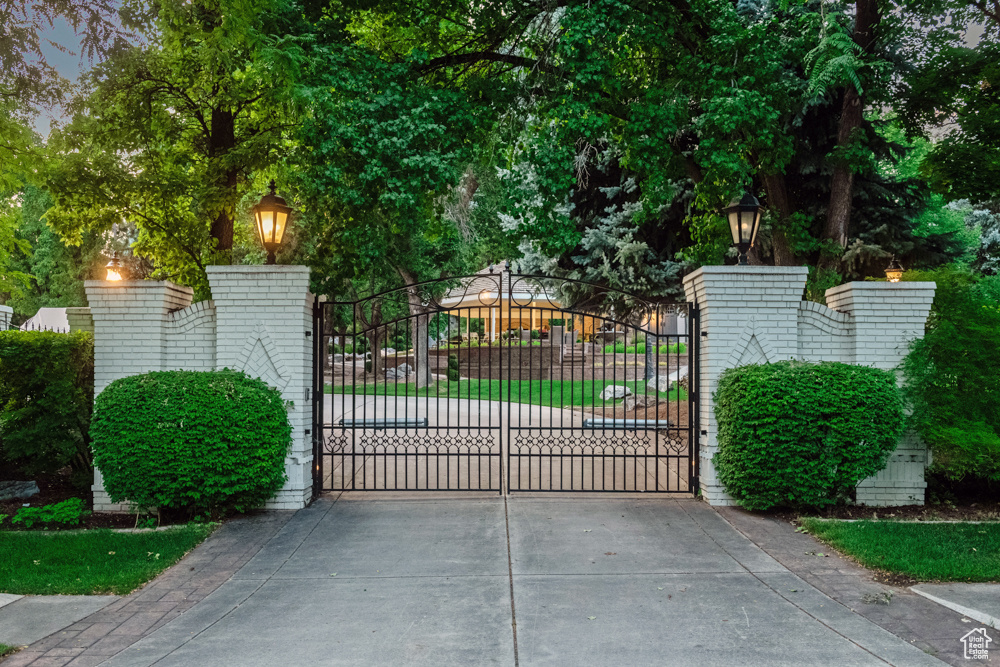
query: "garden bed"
55, 488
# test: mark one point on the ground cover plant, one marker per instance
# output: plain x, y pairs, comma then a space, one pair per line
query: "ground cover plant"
795, 434
925, 551
535, 392
91, 562
69, 512
191, 442
6, 649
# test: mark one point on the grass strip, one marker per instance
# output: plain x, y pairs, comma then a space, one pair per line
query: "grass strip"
556, 393
90, 562
6, 649
928, 552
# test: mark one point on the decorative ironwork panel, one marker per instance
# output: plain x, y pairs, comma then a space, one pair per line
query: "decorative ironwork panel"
503, 382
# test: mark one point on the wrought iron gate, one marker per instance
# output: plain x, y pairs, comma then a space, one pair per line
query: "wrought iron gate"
502, 382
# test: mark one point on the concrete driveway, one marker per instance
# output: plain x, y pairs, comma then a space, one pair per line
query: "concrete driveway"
526, 581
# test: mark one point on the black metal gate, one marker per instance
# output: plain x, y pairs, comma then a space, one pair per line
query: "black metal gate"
502, 382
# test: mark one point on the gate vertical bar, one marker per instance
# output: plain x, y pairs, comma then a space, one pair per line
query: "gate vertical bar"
694, 380
318, 397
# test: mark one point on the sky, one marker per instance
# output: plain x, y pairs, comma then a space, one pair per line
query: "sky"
68, 64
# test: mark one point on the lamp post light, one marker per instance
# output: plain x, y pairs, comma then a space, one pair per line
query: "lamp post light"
744, 221
271, 218
115, 270
894, 271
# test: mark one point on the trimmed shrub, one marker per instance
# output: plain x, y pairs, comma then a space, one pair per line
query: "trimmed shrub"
952, 385
453, 369
190, 441
795, 434
46, 401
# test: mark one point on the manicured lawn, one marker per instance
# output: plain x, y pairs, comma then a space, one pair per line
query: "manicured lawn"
92, 561
925, 551
534, 392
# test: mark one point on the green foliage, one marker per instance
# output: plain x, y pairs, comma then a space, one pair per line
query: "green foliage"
453, 368
803, 435
69, 512
536, 334
57, 270
559, 322
177, 137
951, 382
46, 399
196, 442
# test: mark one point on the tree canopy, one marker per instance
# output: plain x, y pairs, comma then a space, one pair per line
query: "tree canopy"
594, 140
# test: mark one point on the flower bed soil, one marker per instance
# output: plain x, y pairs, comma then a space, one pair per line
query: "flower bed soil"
55, 488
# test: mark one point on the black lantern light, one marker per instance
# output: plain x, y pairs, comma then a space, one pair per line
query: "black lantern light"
115, 270
744, 221
894, 271
271, 218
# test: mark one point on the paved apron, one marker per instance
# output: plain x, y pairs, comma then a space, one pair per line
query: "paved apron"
530, 581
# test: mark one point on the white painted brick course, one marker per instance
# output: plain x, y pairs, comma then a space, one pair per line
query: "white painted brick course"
256, 323
756, 314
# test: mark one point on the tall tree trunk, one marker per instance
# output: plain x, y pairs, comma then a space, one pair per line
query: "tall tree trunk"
838, 215
781, 202
221, 141
373, 335
421, 356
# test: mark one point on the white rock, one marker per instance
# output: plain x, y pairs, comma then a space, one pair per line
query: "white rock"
615, 391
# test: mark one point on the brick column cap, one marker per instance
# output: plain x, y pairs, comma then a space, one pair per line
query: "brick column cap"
257, 269
739, 272
104, 286
6, 309
872, 286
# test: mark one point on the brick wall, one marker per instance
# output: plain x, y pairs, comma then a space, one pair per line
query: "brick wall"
755, 314
257, 322
6, 312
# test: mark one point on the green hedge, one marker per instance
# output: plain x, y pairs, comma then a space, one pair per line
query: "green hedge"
952, 382
46, 401
794, 434
189, 441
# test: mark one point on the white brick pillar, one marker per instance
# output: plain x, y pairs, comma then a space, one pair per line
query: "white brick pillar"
749, 315
264, 327
6, 313
886, 318
129, 338
80, 319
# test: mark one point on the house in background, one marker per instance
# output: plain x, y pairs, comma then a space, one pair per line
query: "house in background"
47, 319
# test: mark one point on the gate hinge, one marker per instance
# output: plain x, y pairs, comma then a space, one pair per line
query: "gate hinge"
309, 333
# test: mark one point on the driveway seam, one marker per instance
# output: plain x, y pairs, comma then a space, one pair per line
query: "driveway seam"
510, 577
